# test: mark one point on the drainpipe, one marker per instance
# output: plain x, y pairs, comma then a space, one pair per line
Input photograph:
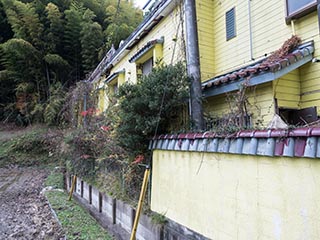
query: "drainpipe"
250, 30
318, 8
193, 65
293, 28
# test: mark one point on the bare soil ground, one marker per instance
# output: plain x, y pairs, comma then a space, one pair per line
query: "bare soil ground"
24, 211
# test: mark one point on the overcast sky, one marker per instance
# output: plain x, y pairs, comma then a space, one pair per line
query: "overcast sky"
140, 3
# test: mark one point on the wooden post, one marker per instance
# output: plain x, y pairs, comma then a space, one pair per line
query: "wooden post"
72, 187
140, 203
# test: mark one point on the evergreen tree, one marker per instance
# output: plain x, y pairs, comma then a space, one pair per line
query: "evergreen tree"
91, 41
24, 21
54, 30
72, 44
5, 28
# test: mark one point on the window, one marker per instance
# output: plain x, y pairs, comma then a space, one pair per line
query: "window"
299, 117
299, 8
147, 67
231, 24
148, 56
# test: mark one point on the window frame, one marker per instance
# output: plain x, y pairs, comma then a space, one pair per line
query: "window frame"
300, 12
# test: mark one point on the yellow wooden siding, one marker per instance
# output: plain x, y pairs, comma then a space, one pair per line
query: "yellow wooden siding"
269, 32
298, 89
158, 54
121, 78
206, 39
101, 100
235, 52
171, 29
260, 105
287, 90
101, 105
310, 73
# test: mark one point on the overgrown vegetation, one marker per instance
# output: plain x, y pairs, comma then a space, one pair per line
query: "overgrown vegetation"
47, 46
35, 146
107, 149
240, 110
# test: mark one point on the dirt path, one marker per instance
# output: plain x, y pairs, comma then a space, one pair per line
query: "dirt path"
24, 212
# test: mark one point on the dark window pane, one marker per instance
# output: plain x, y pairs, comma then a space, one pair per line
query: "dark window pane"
296, 5
147, 67
230, 24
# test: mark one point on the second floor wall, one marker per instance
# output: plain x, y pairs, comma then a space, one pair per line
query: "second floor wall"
260, 28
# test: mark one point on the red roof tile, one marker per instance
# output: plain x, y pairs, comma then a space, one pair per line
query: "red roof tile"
261, 67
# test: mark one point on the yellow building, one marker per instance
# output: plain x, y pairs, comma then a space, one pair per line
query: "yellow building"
245, 34
256, 184
160, 38
235, 40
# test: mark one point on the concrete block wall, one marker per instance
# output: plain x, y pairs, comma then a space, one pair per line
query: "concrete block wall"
95, 196
147, 230
124, 215
109, 207
78, 188
115, 211
86, 191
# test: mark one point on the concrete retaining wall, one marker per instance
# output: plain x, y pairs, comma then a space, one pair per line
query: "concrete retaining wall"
78, 188
147, 230
95, 198
109, 207
85, 193
124, 215
115, 211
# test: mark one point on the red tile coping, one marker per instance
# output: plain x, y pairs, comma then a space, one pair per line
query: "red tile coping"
260, 67
272, 133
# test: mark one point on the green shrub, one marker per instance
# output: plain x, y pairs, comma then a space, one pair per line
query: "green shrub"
150, 106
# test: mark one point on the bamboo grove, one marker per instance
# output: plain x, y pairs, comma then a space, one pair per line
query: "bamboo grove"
46, 47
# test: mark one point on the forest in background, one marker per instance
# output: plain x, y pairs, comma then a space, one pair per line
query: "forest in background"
46, 47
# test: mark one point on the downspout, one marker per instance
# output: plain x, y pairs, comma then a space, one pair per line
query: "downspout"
250, 30
193, 65
293, 28
318, 9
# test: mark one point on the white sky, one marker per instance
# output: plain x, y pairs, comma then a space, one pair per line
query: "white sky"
140, 3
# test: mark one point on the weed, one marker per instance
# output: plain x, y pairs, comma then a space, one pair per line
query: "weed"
157, 218
76, 222
55, 179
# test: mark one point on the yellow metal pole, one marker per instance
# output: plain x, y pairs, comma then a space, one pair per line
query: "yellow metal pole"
140, 203
72, 187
